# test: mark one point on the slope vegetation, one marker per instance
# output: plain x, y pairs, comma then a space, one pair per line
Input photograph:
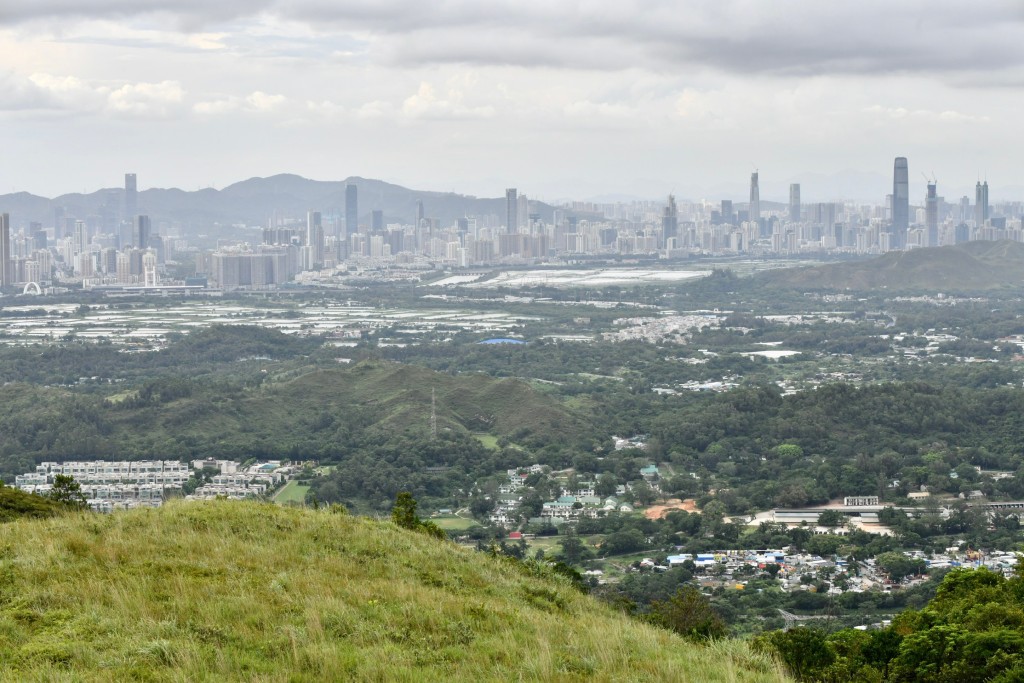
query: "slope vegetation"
324, 413
965, 267
244, 591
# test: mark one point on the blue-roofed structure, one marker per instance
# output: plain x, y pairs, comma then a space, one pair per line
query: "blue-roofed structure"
501, 340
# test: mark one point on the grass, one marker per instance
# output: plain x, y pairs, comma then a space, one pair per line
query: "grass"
454, 523
488, 440
226, 591
293, 492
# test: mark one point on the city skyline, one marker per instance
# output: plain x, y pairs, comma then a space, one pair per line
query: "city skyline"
475, 98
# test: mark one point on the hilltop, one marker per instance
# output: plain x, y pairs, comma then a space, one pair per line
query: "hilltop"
246, 591
972, 266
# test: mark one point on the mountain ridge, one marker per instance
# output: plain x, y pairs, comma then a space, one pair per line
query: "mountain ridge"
972, 266
256, 200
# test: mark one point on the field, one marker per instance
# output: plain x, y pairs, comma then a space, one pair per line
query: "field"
292, 493
453, 523
488, 440
226, 590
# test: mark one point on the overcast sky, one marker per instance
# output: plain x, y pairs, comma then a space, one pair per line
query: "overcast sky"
559, 98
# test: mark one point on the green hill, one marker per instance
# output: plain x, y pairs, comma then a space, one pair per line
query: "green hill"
226, 591
322, 414
974, 266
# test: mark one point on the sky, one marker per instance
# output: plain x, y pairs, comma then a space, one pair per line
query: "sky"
562, 99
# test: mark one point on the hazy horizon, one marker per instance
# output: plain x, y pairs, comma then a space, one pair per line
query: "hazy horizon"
579, 101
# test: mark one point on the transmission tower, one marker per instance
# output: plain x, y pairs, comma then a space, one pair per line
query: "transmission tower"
433, 414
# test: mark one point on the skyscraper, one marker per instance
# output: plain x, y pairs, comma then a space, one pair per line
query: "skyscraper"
670, 221
420, 213
315, 236
131, 197
900, 204
141, 230
794, 203
931, 215
351, 209
511, 210
981, 212
6, 274
754, 212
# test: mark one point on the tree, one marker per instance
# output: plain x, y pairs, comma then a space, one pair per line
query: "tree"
606, 485
831, 519
404, 512
574, 550
898, 566
804, 651
68, 491
404, 515
689, 614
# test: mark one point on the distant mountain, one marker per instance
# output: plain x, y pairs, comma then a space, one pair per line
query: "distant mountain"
966, 267
255, 201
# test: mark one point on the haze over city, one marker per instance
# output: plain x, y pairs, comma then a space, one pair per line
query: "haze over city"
582, 100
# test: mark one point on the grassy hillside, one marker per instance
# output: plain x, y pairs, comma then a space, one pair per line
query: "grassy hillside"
966, 267
15, 504
242, 591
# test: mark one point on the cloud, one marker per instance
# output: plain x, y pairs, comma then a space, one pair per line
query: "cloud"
255, 103
784, 37
69, 94
425, 103
946, 116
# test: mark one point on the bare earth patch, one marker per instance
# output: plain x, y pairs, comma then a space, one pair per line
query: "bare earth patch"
659, 511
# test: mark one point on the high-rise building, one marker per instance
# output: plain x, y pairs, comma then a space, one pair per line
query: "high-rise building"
981, 210
141, 231
6, 271
931, 215
377, 221
670, 221
351, 209
754, 211
81, 237
728, 216
131, 197
420, 213
511, 210
900, 204
315, 236
794, 203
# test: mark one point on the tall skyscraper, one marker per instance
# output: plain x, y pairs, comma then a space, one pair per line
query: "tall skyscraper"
754, 212
315, 235
981, 211
900, 204
351, 209
420, 213
931, 215
794, 203
141, 231
511, 210
670, 220
131, 197
6, 271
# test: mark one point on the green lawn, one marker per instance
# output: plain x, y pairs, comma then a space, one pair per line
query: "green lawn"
293, 492
451, 523
488, 440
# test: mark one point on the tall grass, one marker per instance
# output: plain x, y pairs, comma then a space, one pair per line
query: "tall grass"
226, 591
